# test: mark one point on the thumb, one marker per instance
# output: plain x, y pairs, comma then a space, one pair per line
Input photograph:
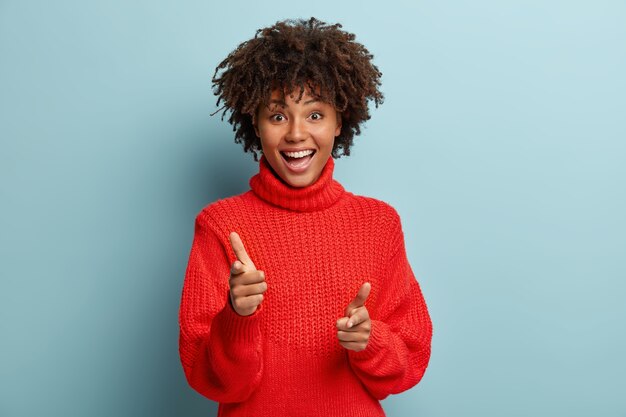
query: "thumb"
359, 300
240, 250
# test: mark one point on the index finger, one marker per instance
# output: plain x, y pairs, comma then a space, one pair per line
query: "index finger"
240, 250
359, 300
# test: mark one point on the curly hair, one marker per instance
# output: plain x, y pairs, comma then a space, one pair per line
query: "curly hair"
294, 53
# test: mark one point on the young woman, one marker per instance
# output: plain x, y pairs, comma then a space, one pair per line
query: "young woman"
298, 297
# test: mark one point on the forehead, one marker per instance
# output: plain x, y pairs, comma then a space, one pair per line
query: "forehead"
288, 98
294, 93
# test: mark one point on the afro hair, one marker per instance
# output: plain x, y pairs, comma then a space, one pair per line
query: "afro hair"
293, 54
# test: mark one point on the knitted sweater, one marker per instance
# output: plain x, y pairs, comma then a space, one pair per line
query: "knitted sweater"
316, 246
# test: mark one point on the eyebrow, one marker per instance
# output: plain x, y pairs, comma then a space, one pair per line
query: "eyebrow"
282, 103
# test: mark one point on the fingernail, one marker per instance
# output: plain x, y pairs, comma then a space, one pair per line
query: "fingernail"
349, 324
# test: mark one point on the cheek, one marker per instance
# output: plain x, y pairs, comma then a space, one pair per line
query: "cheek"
263, 130
327, 134
269, 138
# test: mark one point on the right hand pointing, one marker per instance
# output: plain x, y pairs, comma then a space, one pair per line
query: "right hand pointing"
247, 284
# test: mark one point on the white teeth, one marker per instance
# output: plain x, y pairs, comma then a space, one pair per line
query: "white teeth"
299, 154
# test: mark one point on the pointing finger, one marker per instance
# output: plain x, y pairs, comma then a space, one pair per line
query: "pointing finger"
240, 250
359, 300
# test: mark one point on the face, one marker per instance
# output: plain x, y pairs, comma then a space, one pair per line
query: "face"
307, 128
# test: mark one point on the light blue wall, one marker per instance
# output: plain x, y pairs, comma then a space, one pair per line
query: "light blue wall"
501, 143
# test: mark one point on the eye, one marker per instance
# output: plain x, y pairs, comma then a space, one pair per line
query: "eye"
316, 115
277, 117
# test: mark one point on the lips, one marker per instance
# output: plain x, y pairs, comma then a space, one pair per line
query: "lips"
297, 149
297, 165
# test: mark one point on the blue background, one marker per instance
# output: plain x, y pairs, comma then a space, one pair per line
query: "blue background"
501, 143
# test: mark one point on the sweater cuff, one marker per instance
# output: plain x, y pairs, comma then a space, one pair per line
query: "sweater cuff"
379, 338
241, 328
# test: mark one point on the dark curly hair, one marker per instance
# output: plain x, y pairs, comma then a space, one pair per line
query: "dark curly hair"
295, 53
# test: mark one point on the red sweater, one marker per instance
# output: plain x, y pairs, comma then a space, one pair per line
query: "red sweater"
316, 245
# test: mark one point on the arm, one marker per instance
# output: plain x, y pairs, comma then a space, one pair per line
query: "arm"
220, 351
398, 350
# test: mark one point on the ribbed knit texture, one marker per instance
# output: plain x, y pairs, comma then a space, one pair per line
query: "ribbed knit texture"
317, 245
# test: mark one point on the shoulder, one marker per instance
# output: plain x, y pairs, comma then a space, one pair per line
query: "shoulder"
377, 207
222, 211
375, 218
384, 221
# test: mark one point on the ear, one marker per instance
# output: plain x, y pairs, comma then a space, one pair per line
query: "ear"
339, 124
255, 126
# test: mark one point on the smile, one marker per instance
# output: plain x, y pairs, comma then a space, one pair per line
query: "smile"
300, 163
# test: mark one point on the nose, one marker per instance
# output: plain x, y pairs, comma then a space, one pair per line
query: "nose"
297, 130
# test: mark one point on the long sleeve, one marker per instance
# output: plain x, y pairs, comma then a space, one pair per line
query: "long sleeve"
398, 351
220, 351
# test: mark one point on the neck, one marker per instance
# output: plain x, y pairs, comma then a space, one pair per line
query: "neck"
323, 193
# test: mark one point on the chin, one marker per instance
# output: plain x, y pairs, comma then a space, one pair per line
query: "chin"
299, 182
304, 184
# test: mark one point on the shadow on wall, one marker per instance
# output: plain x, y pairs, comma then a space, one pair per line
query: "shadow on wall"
217, 169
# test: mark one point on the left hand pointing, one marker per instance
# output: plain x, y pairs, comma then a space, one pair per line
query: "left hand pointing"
353, 330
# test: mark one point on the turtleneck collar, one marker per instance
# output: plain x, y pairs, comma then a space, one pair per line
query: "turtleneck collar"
324, 192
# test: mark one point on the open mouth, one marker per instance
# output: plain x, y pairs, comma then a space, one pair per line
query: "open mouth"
298, 163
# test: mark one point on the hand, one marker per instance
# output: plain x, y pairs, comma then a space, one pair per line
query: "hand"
353, 330
247, 284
